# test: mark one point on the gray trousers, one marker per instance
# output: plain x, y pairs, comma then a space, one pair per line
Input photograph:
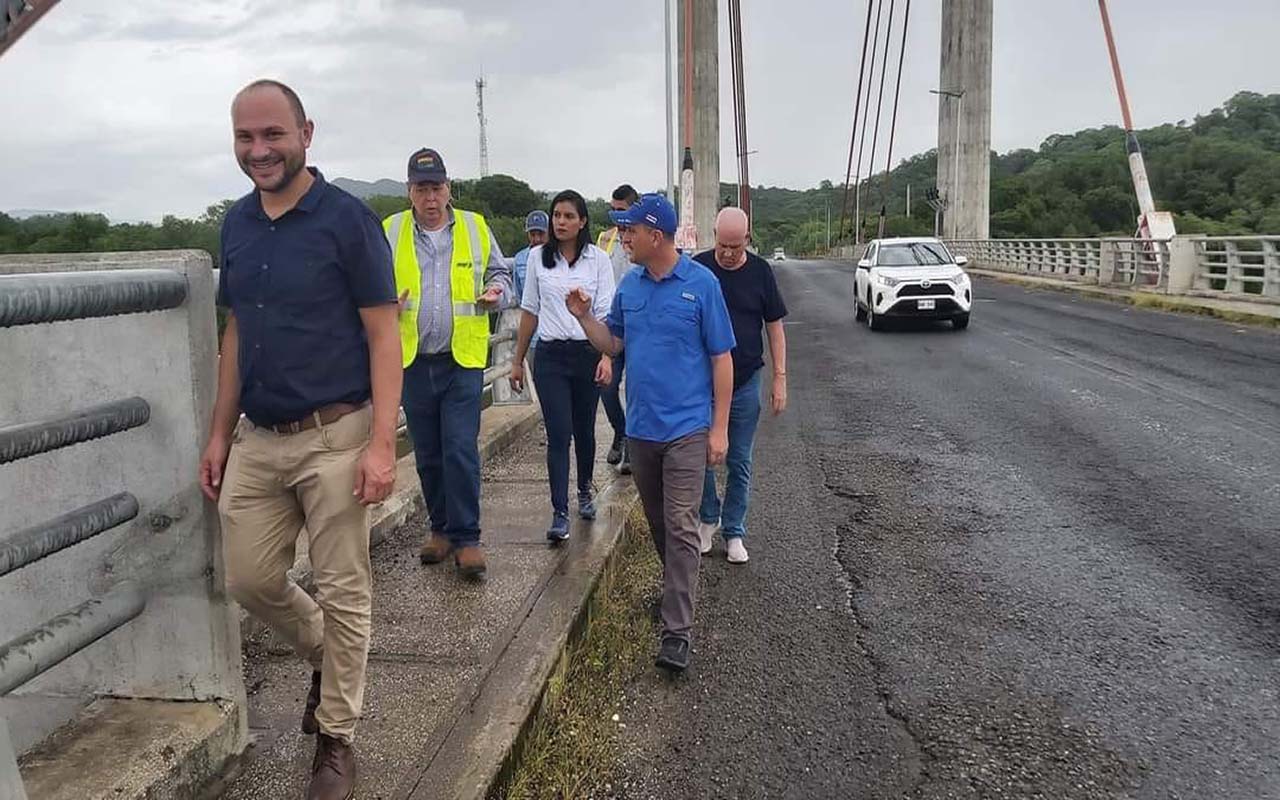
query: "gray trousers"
669, 477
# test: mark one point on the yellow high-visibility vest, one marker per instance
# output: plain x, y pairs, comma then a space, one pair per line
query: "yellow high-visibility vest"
608, 239
471, 248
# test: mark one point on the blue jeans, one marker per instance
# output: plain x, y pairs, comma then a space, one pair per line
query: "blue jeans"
564, 373
611, 399
442, 408
744, 416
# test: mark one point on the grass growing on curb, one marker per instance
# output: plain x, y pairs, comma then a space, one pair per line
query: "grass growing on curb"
572, 747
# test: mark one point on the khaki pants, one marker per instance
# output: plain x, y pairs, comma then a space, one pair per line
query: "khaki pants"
669, 477
273, 485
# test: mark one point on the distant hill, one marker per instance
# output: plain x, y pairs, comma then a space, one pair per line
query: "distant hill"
28, 213
364, 189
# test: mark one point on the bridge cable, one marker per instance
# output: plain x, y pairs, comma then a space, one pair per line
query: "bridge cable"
893, 121
853, 136
884, 72
862, 143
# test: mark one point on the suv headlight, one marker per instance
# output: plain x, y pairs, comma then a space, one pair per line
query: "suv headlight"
885, 280
961, 278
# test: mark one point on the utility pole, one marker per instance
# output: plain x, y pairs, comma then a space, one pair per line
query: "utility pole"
700, 110
953, 191
484, 136
908, 201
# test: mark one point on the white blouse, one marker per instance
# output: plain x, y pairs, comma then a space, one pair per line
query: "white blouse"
545, 291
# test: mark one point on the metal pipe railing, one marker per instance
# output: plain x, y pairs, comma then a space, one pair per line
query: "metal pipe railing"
39, 649
40, 541
30, 298
32, 438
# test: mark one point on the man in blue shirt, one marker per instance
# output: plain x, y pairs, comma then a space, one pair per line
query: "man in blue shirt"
672, 318
311, 355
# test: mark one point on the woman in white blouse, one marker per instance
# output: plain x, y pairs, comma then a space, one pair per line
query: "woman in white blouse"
567, 370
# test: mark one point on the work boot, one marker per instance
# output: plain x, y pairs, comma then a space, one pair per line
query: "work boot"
333, 770
309, 724
673, 655
436, 549
615, 449
470, 562
586, 505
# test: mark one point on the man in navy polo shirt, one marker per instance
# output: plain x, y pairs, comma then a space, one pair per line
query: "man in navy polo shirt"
311, 355
672, 318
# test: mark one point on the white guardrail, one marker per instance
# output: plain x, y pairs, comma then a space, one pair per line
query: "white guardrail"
1237, 267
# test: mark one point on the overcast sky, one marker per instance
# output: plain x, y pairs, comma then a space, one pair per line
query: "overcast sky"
126, 111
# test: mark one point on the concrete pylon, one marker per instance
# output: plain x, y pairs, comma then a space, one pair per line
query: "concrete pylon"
700, 115
965, 101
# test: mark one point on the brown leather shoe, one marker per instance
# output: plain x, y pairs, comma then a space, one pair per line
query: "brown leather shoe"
436, 549
309, 724
470, 562
333, 771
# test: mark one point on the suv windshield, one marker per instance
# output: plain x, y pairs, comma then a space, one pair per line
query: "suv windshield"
915, 254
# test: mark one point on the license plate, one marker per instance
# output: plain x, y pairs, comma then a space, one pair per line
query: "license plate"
926, 305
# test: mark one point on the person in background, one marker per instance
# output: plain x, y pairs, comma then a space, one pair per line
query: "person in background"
567, 369
310, 355
672, 319
751, 293
450, 274
610, 241
535, 227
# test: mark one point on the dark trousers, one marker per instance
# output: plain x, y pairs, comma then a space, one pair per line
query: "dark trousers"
611, 397
564, 373
669, 477
442, 408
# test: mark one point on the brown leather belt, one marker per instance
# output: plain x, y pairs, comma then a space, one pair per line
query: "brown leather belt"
325, 415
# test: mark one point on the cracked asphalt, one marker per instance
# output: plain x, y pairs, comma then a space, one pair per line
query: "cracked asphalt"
1035, 559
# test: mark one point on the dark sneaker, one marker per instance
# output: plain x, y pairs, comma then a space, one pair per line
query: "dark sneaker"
586, 506
559, 530
615, 449
624, 467
673, 655
309, 725
470, 562
333, 771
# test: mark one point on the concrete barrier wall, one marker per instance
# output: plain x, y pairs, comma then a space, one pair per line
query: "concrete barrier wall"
185, 645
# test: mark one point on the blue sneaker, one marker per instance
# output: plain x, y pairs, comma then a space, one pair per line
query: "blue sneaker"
559, 530
586, 505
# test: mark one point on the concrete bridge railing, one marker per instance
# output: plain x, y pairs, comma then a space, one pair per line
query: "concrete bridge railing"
1229, 267
110, 558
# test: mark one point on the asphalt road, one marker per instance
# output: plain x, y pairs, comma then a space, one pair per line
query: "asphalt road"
1038, 558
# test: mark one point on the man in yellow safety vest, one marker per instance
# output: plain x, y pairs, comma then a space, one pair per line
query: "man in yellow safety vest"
450, 274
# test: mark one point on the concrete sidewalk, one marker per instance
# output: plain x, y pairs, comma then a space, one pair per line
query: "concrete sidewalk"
455, 668
1248, 311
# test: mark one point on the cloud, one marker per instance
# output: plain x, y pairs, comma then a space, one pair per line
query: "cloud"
124, 108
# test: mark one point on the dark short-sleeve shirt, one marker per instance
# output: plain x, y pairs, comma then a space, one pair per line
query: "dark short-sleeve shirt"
671, 329
296, 285
751, 292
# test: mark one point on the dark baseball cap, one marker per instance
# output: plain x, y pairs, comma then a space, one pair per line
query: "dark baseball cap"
536, 221
427, 165
651, 210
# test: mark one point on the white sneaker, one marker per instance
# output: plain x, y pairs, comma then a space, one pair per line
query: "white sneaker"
735, 550
707, 536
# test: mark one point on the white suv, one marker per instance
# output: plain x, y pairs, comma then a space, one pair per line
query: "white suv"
915, 277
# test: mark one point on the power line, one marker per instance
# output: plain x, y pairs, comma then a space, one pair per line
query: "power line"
853, 135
